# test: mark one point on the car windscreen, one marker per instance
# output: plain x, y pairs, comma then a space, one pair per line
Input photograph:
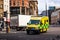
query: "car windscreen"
34, 21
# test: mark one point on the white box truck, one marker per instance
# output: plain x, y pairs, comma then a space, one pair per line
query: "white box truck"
20, 22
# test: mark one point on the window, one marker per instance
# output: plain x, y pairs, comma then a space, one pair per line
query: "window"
15, 11
47, 20
18, 10
22, 2
14, 3
23, 10
18, 3
1, 5
10, 2
34, 21
29, 13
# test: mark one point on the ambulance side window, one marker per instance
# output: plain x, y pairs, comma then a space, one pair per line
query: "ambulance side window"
47, 20
41, 23
44, 21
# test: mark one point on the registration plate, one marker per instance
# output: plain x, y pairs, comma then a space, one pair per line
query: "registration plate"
32, 28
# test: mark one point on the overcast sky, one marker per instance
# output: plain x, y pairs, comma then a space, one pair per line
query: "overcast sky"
42, 4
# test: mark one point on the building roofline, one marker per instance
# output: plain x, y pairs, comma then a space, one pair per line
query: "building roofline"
33, 0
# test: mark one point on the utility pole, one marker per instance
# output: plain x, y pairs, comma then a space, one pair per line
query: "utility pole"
46, 8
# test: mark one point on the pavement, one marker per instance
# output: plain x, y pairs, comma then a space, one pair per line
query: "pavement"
52, 34
11, 31
14, 30
54, 26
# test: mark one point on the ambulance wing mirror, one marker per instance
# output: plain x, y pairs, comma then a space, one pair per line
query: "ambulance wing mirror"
28, 23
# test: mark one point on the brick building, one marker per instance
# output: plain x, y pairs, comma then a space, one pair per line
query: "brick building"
23, 7
55, 17
1, 8
18, 6
33, 4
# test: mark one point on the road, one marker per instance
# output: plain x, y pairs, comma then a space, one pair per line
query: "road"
52, 34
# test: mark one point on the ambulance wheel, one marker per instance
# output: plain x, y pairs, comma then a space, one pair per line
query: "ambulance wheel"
46, 30
37, 32
0, 29
29, 32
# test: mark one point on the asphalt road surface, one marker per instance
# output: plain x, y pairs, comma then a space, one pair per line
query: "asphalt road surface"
52, 34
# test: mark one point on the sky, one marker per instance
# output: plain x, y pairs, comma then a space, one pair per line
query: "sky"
42, 4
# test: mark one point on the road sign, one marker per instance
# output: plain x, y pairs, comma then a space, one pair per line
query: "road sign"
52, 8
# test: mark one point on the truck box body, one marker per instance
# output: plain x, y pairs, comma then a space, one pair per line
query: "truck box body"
19, 21
23, 20
14, 22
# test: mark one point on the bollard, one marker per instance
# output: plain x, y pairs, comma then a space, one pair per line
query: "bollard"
8, 29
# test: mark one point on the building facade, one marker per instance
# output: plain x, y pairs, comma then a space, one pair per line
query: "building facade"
7, 9
23, 7
55, 17
1, 8
18, 7
33, 7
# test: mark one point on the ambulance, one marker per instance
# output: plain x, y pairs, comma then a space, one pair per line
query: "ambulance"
37, 24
